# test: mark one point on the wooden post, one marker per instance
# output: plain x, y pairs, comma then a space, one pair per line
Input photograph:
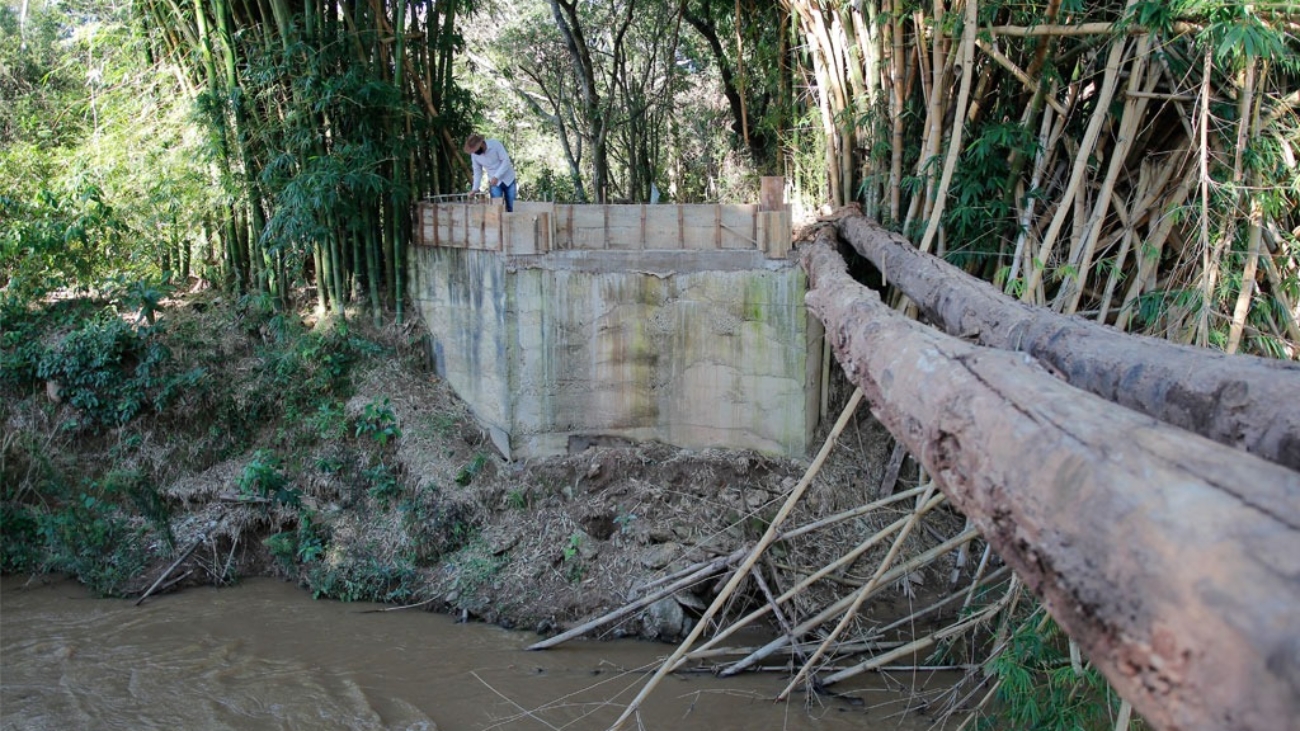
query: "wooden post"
771, 196
773, 209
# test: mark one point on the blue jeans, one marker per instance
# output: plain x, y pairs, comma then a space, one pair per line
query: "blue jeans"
509, 191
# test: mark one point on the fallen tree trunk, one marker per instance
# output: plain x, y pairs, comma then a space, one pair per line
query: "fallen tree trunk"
1242, 401
1181, 585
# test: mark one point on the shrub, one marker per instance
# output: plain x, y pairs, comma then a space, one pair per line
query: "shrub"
263, 477
90, 539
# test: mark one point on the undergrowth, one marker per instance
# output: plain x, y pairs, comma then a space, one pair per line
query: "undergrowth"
92, 390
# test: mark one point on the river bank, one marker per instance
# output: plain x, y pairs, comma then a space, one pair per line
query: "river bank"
260, 443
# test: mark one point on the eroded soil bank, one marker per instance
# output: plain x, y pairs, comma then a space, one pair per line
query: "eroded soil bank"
330, 455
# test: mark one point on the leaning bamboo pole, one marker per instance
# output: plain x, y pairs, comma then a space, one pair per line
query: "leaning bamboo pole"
919, 644
1134, 111
862, 593
833, 610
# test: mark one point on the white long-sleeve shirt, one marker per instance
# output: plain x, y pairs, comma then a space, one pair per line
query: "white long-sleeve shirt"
495, 161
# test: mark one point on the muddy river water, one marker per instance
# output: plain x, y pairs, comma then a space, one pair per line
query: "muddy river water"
264, 655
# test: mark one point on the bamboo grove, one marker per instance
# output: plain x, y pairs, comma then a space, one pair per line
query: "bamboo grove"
326, 123
1135, 163
1131, 161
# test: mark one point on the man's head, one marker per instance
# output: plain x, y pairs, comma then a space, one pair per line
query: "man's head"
474, 144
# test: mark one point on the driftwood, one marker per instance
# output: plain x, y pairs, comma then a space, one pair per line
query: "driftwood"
1173, 560
701, 573
158, 582
1242, 401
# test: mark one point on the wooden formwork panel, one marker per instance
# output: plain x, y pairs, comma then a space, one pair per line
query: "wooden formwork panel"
739, 227
527, 233
587, 227
426, 230
624, 228
713, 227
663, 225
536, 228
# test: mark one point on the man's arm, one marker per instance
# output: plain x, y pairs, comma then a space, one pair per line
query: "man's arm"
478, 174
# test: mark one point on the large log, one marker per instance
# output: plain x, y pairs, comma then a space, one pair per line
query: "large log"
1245, 402
1181, 586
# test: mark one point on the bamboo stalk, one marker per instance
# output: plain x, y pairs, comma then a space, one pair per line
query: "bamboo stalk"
1275, 282
807, 581
851, 513
966, 592
1209, 259
1006, 63
1148, 257
1125, 713
919, 644
1147, 192
1254, 231
1253, 238
958, 123
897, 62
1080, 168
781, 620
645, 601
184, 555
1134, 109
1046, 138
849, 558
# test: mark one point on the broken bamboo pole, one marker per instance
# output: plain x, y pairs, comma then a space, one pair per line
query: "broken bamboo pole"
1241, 401
1170, 558
184, 555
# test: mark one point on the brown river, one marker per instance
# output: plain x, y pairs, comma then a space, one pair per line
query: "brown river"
264, 655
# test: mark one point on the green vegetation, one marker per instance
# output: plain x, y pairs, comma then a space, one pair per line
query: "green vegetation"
1040, 688
88, 379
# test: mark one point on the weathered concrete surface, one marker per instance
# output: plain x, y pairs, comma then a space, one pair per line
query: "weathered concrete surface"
695, 349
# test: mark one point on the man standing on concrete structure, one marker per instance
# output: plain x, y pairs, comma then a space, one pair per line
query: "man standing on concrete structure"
490, 155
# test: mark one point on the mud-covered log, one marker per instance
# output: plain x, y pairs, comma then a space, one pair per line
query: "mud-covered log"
1173, 560
1242, 401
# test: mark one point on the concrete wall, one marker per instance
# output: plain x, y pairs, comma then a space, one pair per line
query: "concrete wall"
556, 351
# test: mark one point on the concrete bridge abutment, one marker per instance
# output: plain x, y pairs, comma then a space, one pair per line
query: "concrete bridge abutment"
642, 339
